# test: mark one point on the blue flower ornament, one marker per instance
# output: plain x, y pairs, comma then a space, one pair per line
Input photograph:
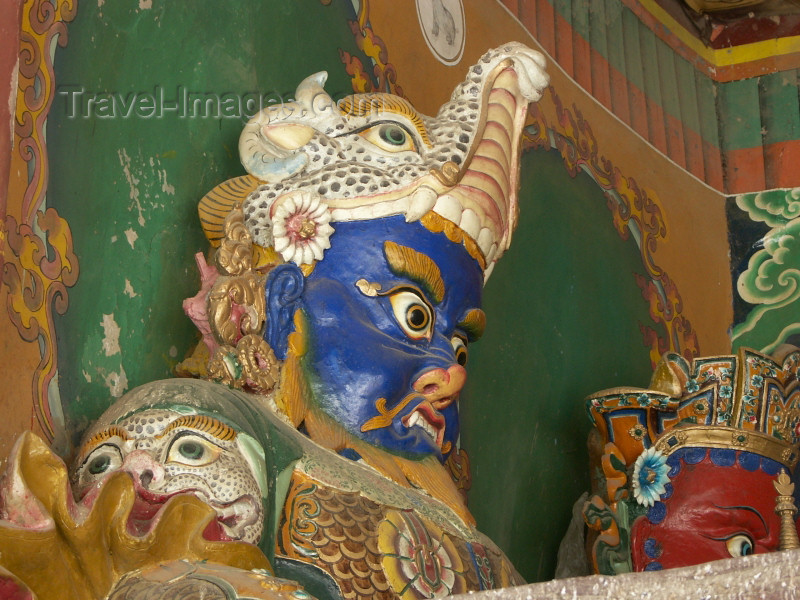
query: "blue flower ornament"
649, 477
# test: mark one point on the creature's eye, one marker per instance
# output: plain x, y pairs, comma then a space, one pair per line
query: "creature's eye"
739, 545
192, 450
103, 459
412, 313
460, 347
390, 137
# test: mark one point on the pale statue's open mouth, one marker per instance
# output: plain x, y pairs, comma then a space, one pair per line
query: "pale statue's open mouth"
229, 524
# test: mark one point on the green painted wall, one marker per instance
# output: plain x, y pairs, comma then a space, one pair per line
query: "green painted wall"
563, 312
129, 186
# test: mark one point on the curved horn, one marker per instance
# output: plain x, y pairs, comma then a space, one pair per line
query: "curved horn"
269, 143
264, 159
310, 89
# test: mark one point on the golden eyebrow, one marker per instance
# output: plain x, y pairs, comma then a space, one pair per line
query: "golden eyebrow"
474, 324
209, 425
364, 105
407, 262
102, 436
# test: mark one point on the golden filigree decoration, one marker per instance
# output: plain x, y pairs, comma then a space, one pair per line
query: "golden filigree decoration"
717, 436
251, 365
86, 554
260, 367
232, 295
235, 253
633, 208
223, 367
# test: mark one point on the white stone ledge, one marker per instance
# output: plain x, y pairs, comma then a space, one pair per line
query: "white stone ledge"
773, 576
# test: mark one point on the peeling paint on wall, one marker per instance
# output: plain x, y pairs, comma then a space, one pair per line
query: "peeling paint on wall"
129, 289
131, 236
125, 162
110, 335
117, 383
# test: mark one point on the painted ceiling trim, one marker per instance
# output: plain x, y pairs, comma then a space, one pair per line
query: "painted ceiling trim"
737, 137
720, 64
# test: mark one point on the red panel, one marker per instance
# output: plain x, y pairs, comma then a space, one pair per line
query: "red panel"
675, 144
744, 170
545, 24
620, 102
657, 133
712, 161
694, 153
582, 61
601, 81
564, 50
511, 5
638, 111
782, 160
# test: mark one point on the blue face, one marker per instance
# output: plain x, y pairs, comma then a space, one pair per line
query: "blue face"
390, 312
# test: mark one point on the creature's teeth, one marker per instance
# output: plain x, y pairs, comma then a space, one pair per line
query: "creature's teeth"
485, 239
491, 254
413, 419
421, 202
368, 211
470, 223
449, 208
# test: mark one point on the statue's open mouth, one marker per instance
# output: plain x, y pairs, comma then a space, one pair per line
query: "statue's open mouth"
429, 420
231, 519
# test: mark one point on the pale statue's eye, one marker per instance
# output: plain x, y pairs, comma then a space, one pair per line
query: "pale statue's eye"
739, 545
460, 348
103, 459
392, 134
412, 313
193, 450
99, 465
389, 137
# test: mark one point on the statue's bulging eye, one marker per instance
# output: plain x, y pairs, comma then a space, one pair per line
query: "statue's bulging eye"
413, 314
392, 134
105, 458
99, 465
390, 137
460, 348
193, 450
739, 545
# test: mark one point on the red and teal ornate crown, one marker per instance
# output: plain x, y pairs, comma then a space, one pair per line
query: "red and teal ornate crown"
747, 401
